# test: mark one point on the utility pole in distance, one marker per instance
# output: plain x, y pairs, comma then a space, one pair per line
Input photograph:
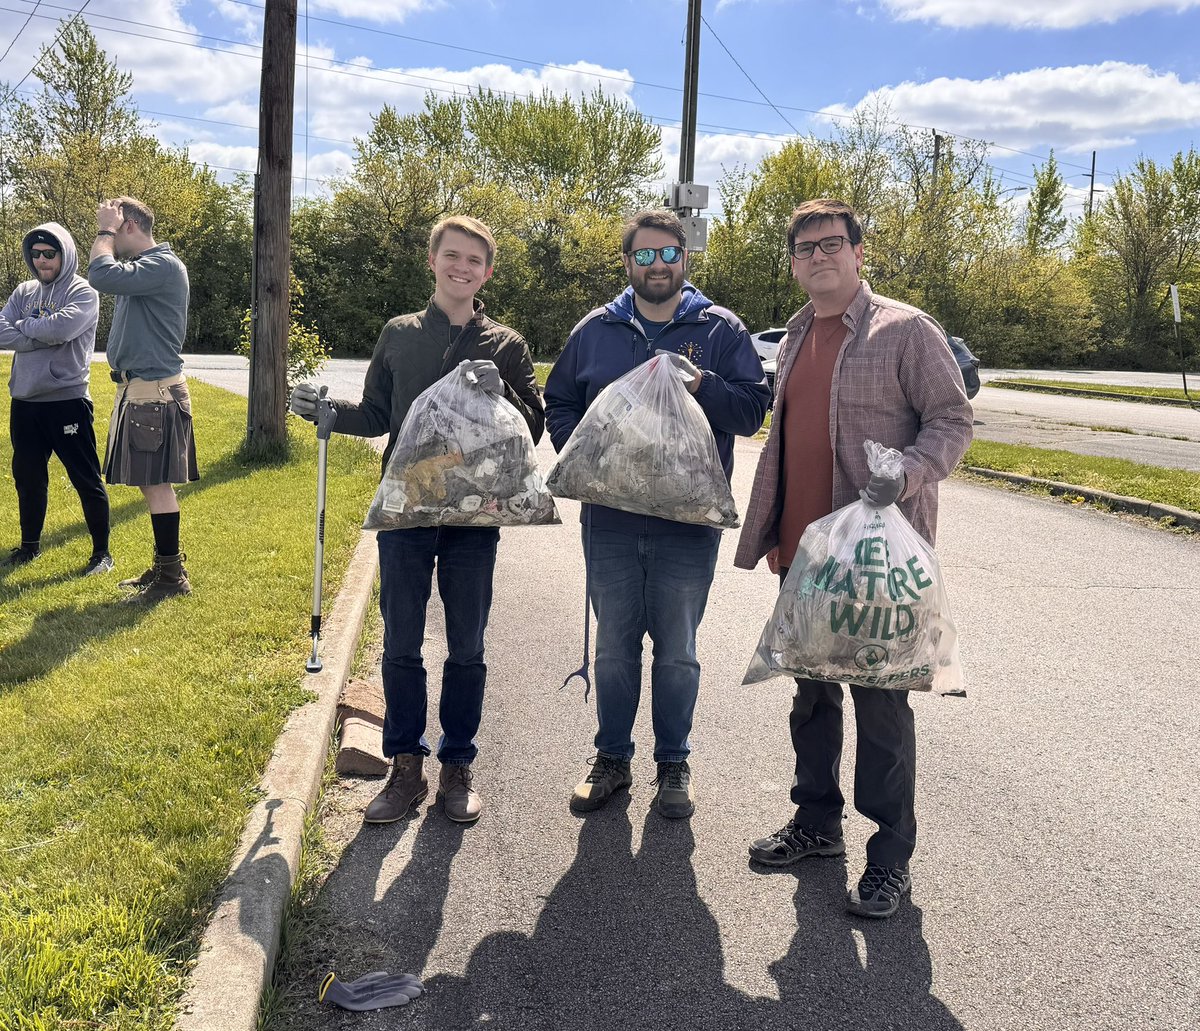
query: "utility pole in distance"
271, 301
1091, 185
686, 197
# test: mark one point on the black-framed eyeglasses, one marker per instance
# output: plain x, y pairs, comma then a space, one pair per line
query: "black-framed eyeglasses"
828, 245
48, 253
645, 255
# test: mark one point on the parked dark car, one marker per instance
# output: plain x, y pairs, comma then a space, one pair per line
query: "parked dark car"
968, 364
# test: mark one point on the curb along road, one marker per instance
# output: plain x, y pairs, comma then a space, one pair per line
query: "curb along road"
239, 946
1137, 506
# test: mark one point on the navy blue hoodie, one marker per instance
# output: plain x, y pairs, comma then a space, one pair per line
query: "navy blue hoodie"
609, 341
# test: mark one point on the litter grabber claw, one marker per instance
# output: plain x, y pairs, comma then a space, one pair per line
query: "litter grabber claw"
326, 416
374, 991
582, 672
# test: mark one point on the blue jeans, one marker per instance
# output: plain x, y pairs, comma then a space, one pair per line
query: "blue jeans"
466, 559
656, 584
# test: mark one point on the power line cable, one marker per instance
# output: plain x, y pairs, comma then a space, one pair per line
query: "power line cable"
8, 49
738, 63
413, 81
20, 83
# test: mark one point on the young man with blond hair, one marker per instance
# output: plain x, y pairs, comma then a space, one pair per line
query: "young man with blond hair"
413, 352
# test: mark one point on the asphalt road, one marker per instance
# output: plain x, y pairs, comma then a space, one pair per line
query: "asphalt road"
1112, 429
1055, 880
1055, 883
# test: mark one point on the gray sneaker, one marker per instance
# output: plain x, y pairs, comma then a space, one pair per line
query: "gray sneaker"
459, 799
791, 843
100, 563
675, 798
879, 891
607, 776
406, 787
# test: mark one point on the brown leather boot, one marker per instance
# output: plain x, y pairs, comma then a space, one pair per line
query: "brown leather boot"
406, 787
170, 580
458, 796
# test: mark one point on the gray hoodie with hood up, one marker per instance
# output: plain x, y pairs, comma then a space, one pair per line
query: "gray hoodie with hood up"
51, 326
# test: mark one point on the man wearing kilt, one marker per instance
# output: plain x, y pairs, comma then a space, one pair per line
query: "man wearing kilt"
150, 441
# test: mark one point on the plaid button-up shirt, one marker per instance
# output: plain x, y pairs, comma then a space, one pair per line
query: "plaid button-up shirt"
895, 381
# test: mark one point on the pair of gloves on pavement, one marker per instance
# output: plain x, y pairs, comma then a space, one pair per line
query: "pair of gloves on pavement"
482, 373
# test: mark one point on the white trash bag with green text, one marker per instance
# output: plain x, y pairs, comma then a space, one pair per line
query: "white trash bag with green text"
463, 457
645, 446
863, 603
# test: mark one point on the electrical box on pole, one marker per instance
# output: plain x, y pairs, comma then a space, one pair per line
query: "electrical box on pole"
686, 197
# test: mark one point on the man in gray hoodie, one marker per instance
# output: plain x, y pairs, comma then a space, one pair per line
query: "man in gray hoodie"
50, 322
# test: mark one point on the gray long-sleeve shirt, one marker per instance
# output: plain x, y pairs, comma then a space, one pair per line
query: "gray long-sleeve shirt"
150, 318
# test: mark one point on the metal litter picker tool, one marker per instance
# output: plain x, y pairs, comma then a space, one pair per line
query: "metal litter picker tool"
326, 416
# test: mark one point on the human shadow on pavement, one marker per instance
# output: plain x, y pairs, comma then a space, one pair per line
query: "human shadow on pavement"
623, 940
829, 982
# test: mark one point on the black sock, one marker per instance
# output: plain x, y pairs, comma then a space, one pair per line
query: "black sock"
166, 533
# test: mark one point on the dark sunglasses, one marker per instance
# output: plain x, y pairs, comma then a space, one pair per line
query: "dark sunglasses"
645, 255
44, 252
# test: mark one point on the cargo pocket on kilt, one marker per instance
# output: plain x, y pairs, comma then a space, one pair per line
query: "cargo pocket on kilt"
145, 427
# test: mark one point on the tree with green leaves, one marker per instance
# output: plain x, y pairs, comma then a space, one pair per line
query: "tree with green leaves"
1045, 223
79, 141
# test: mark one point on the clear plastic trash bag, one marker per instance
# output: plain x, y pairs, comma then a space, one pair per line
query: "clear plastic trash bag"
863, 603
463, 457
645, 446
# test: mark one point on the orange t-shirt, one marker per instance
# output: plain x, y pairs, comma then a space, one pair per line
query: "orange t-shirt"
807, 465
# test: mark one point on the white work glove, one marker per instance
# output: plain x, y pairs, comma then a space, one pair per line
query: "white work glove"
303, 401
484, 374
687, 370
882, 491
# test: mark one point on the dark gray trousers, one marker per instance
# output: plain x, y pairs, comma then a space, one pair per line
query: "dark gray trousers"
884, 768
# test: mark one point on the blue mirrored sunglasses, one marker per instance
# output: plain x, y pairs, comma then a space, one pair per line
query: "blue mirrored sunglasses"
645, 255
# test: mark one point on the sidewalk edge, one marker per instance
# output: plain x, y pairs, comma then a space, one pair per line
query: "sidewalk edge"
1138, 506
239, 946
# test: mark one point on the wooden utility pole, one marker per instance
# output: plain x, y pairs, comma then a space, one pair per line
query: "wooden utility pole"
1091, 185
271, 300
691, 80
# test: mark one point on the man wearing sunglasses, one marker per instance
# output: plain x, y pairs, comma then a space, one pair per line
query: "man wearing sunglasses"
854, 366
652, 575
150, 441
50, 322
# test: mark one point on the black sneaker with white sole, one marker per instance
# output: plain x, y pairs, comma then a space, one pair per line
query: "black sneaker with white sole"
793, 843
879, 891
100, 562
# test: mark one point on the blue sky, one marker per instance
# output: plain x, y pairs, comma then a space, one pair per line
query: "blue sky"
1118, 76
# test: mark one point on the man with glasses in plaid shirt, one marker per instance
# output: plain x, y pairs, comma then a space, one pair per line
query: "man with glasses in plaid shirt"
854, 366
652, 576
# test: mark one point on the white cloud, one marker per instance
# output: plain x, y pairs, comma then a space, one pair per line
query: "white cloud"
375, 10
246, 21
344, 99
1077, 108
1044, 14
716, 153
167, 58
223, 157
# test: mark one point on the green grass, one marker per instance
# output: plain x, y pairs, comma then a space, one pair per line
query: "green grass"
1177, 487
1175, 393
131, 741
